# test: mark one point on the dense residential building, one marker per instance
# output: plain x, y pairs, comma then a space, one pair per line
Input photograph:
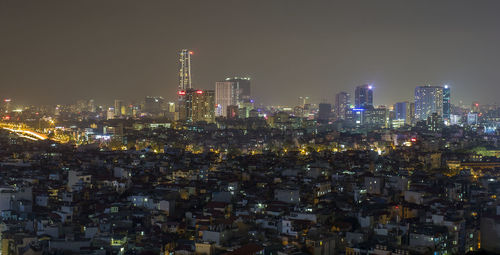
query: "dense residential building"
199, 105
230, 168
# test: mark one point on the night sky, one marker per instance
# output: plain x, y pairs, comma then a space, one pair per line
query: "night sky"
55, 52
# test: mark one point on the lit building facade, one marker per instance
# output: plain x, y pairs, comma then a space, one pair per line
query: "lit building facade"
428, 100
185, 69
242, 84
364, 96
199, 105
226, 94
342, 104
446, 104
402, 112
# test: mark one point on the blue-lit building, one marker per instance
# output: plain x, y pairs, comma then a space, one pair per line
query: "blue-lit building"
364, 97
402, 112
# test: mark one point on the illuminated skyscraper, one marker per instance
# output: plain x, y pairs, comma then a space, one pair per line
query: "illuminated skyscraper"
428, 100
402, 112
243, 87
226, 94
199, 105
364, 97
342, 104
185, 69
446, 104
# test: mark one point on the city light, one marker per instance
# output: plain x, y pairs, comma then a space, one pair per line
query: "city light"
321, 164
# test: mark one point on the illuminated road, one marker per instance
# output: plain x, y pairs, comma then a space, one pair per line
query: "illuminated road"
26, 133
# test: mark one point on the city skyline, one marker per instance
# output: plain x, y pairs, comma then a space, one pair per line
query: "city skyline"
250, 127
132, 55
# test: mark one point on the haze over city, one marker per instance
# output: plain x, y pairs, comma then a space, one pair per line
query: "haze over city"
60, 51
258, 127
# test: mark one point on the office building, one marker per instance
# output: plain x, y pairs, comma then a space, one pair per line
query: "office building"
242, 84
120, 109
226, 94
342, 104
446, 104
428, 100
324, 112
377, 118
402, 112
303, 101
364, 97
185, 81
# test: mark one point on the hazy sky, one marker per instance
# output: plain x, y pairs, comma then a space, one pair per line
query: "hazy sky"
61, 51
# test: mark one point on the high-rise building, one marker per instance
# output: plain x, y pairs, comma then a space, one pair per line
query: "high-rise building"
226, 94
402, 112
185, 69
91, 105
475, 107
342, 104
199, 105
412, 113
120, 109
375, 117
303, 101
446, 104
324, 112
7, 105
428, 100
242, 84
110, 114
364, 97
